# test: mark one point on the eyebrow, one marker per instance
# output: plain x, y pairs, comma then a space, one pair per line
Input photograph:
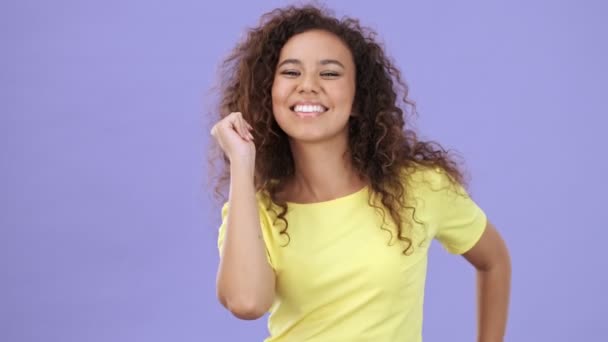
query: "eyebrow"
322, 62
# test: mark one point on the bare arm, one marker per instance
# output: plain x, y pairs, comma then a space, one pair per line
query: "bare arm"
245, 281
491, 259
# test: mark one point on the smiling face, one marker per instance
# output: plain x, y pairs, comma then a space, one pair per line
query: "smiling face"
314, 87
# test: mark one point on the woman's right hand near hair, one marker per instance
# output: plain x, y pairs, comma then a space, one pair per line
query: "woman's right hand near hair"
233, 136
245, 280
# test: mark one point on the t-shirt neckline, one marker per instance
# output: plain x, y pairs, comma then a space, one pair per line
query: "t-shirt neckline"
334, 201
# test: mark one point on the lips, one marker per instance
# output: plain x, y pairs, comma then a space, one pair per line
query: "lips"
308, 109
307, 115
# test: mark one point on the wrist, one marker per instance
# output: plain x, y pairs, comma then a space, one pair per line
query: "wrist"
242, 167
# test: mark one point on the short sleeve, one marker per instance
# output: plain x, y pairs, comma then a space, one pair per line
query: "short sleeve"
267, 233
458, 221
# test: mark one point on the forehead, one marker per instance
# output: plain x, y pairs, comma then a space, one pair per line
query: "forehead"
316, 45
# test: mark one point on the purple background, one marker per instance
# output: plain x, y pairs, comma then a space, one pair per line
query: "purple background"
108, 230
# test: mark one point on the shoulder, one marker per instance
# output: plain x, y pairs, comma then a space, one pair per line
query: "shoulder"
425, 178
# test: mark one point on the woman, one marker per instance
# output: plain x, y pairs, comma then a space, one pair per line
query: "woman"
333, 201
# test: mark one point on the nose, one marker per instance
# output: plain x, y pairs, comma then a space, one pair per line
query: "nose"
309, 84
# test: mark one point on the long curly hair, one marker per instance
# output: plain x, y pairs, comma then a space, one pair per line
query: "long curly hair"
380, 144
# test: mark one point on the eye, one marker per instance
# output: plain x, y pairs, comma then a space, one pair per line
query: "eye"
330, 74
290, 73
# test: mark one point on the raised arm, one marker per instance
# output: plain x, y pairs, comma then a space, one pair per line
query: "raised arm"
245, 280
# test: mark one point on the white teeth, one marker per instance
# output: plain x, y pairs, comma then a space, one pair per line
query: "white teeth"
309, 109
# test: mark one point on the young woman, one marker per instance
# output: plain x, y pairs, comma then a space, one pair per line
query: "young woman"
333, 200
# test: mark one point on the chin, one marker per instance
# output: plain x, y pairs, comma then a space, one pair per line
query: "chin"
308, 130
306, 137
310, 137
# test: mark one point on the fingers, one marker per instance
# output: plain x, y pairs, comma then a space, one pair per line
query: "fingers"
247, 128
241, 126
237, 123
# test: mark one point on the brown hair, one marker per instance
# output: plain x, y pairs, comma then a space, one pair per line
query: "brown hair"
380, 145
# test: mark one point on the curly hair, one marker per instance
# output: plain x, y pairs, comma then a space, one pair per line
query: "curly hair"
380, 145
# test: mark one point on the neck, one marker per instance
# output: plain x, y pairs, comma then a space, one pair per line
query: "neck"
322, 172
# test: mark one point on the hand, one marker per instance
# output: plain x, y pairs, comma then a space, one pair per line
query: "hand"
233, 136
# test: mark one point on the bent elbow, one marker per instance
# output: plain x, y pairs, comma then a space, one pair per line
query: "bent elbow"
246, 310
243, 308
247, 314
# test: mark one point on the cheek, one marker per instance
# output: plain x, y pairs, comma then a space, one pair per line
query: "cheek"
279, 92
343, 94
280, 95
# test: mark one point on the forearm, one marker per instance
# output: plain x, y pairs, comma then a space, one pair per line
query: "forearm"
245, 279
493, 288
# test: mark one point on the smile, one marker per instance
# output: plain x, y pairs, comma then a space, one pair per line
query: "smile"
308, 111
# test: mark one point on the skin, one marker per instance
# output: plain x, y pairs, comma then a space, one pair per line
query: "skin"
245, 282
490, 258
316, 66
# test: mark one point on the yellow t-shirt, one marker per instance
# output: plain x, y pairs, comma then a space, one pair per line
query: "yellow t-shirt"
339, 280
